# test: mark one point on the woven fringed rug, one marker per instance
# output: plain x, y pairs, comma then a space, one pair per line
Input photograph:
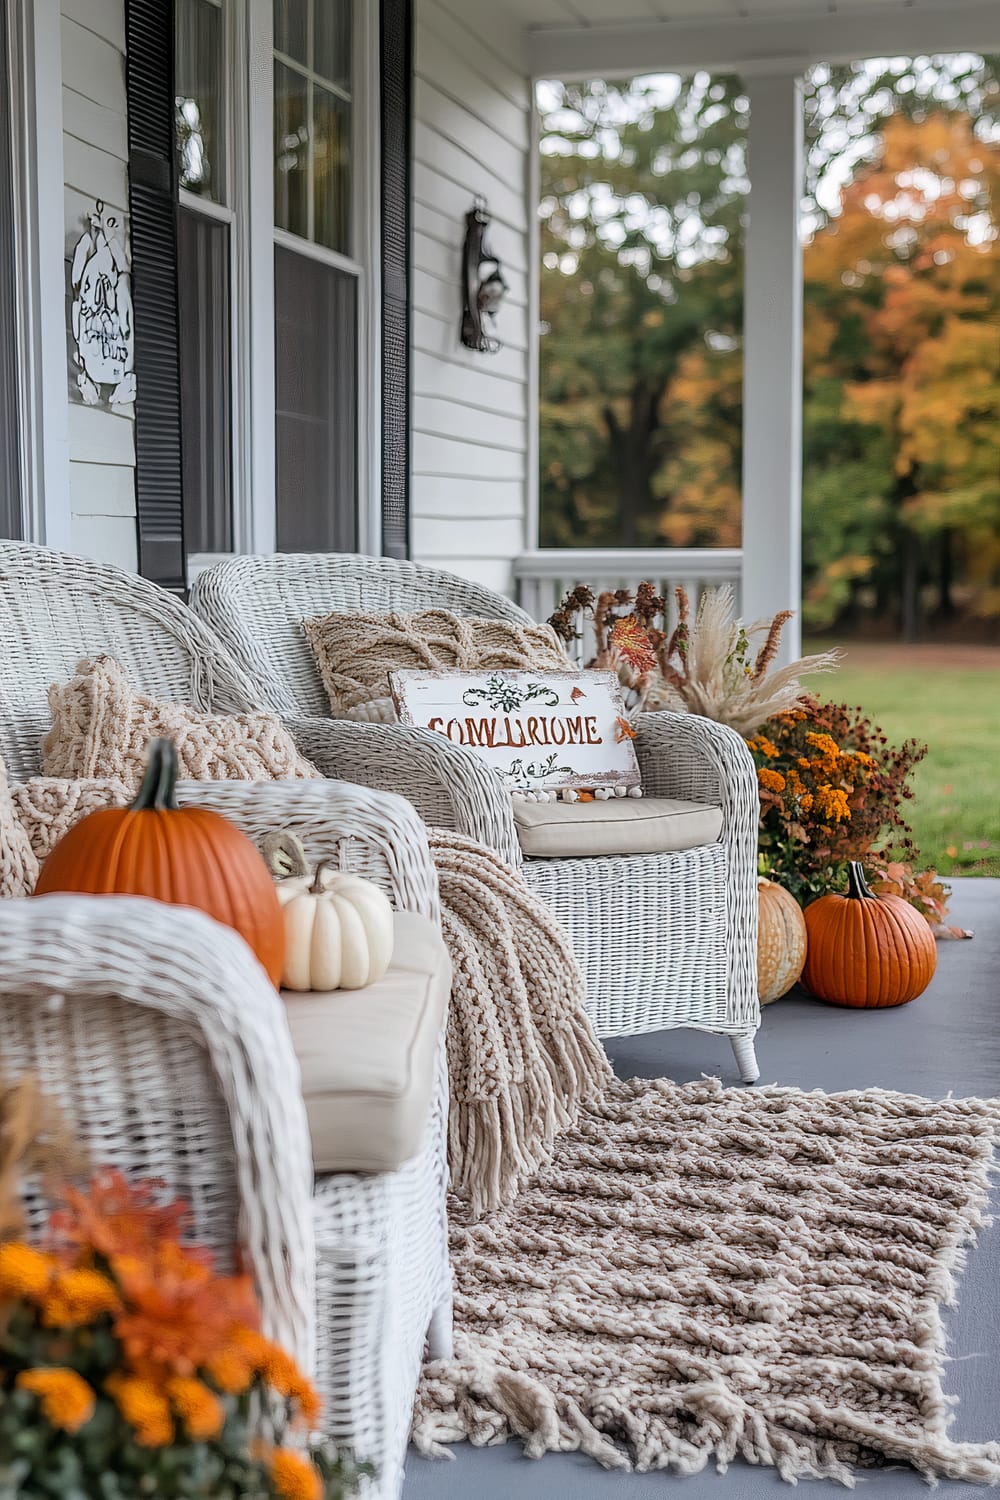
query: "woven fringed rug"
704, 1272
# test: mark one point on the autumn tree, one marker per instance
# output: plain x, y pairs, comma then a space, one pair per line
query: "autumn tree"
643, 186
902, 400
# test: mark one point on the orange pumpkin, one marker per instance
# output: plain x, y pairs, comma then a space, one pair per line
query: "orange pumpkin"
781, 941
185, 856
867, 950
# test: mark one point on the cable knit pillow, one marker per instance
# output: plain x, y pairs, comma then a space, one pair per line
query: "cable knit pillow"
18, 864
101, 727
48, 806
356, 653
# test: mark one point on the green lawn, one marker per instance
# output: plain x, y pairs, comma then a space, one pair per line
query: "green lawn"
948, 698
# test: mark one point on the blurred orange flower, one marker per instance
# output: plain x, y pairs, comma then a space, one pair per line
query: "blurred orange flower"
24, 1271
294, 1477
67, 1401
78, 1297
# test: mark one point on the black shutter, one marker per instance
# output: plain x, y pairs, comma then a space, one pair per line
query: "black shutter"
152, 170
397, 72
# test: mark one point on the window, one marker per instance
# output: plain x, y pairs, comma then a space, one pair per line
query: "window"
277, 312
317, 277
10, 435
204, 272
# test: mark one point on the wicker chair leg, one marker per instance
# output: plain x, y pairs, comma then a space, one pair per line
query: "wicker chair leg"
746, 1057
439, 1331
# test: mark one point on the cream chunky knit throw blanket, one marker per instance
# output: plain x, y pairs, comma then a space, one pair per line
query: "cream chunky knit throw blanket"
522, 1055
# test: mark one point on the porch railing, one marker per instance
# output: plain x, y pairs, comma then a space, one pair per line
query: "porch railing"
543, 577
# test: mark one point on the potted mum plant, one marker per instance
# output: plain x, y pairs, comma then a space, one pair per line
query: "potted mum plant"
129, 1366
831, 787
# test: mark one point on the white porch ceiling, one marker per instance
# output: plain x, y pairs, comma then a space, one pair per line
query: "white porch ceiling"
546, 15
587, 37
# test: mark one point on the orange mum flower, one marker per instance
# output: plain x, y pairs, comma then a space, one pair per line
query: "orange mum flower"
832, 803
113, 1217
78, 1297
198, 1408
294, 1477
66, 1399
144, 1407
279, 1370
24, 1271
179, 1317
230, 1370
772, 780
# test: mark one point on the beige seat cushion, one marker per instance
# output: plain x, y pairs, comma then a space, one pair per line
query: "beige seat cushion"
368, 1056
101, 727
356, 652
622, 825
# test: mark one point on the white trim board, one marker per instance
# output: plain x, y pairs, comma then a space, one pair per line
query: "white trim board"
787, 44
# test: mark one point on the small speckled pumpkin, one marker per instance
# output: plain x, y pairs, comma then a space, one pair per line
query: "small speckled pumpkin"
781, 941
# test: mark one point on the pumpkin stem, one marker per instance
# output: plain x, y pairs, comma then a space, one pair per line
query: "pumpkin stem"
284, 855
316, 888
157, 790
857, 886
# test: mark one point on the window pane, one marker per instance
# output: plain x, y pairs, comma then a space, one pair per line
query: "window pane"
204, 331
291, 151
332, 42
316, 400
291, 28
331, 171
199, 98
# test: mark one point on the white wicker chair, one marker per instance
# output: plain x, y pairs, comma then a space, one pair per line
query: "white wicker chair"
664, 940
172, 1052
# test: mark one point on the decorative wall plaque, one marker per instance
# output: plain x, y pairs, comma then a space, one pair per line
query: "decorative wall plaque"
103, 330
543, 731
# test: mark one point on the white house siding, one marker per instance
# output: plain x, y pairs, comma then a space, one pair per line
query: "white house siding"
101, 441
470, 411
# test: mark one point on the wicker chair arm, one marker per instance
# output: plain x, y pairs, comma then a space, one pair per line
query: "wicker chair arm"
149, 961
684, 755
447, 784
375, 834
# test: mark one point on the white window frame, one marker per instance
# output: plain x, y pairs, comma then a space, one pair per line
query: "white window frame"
33, 48
249, 209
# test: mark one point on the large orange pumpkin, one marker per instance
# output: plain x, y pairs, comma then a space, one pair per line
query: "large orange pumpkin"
185, 856
867, 950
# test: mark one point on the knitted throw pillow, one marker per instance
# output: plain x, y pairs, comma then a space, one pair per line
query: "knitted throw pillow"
101, 727
18, 865
48, 807
356, 653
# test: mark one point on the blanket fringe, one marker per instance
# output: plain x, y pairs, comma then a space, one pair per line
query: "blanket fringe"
522, 1054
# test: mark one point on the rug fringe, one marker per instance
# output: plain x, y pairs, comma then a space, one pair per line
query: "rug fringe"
463, 1400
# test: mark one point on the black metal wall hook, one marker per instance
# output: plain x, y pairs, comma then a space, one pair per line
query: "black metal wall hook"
483, 285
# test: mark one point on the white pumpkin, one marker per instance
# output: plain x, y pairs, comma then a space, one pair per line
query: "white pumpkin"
338, 930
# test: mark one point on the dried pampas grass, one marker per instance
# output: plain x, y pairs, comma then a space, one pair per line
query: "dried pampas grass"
34, 1142
723, 670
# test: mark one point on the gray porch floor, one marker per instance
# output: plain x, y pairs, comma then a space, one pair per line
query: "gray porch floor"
949, 1039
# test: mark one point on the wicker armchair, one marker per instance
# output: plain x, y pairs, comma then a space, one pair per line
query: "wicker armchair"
664, 940
157, 1031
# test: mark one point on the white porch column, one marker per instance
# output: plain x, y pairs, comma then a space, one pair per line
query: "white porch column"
772, 368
